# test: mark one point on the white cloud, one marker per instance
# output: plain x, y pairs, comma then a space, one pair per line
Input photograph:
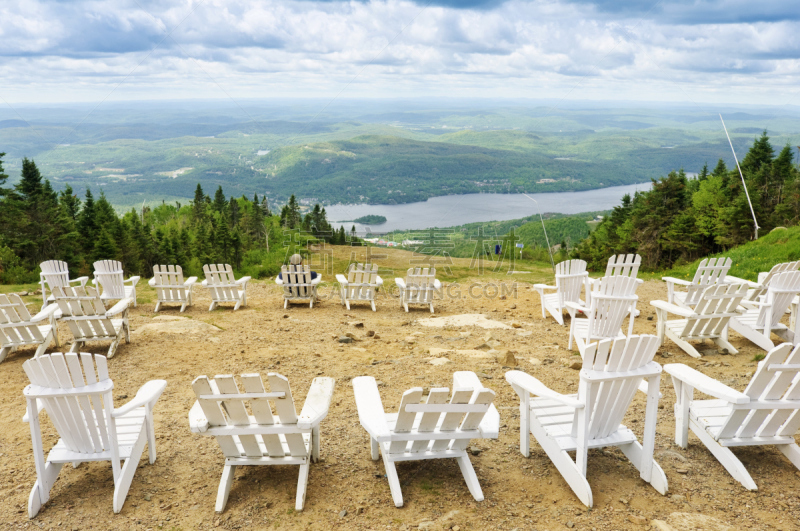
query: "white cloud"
726, 52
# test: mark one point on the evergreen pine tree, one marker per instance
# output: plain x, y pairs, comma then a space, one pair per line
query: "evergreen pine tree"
219, 200
87, 223
104, 247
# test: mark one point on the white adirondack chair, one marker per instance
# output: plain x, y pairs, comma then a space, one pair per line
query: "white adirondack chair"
418, 287
710, 271
223, 286
759, 289
709, 319
261, 438
55, 274
170, 286
571, 276
109, 275
298, 284
611, 374
758, 323
360, 285
434, 430
622, 265
18, 328
612, 299
80, 405
766, 413
88, 320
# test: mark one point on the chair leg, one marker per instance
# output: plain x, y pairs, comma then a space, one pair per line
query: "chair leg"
431, 307
224, 487
394, 481
470, 477
684, 395
76, 346
373, 449
315, 444
4, 352
635, 453
123, 482
723, 343
792, 452
285, 303
213, 305
112, 350
726, 458
372, 303
564, 463
42, 347
158, 305
151, 437
302, 483
40, 493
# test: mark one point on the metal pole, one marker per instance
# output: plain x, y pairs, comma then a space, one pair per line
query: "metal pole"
755, 222
549, 249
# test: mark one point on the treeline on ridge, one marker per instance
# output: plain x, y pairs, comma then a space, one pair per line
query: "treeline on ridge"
37, 224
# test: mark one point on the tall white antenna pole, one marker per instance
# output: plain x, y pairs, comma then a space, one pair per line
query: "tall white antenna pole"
755, 222
549, 249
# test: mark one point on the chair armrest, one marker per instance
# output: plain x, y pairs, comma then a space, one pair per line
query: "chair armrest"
543, 287
672, 308
147, 395
705, 384
151, 282
204, 283
190, 281
673, 280
341, 279
371, 414
317, 403
198, 423
730, 279
243, 280
437, 284
82, 280
378, 281
119, 307
45, 313
316, 280
279, 280
526, 382
400, 283
576, 306
133, 280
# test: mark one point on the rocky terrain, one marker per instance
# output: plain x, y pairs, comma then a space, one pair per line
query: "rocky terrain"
487, 334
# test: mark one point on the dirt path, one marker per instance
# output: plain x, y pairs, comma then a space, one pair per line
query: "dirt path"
178, 491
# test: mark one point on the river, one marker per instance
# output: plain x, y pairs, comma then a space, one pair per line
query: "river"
450, 210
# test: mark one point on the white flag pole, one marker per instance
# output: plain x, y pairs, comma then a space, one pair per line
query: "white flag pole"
755, 222
549, 249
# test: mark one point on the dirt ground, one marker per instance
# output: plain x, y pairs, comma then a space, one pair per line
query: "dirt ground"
347, 490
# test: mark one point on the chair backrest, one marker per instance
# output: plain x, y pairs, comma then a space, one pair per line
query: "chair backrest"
56, 273
419, 284
776, 379
221, 282
82, 412
362, 280
15, 325
84, 311
169, 283
710, 271
624, 265
461, 413
296, 280
765, 278
608, 401
783, 288
224, 405
611, 302
110, 277
714, 310
570, 278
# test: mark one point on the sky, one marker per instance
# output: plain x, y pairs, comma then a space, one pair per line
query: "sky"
696, 51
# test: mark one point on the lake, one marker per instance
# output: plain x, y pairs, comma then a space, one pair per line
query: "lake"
450, 210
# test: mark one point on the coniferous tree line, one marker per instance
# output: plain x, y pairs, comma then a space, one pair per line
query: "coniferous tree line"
37, 224
680, 219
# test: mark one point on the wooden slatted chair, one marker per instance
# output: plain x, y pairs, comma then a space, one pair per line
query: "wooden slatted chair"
709, 319
571, 276
88, 320
622, 265
76, 393
612, 372
759, 289
19, 329
262, 438
612, 299
223, 286
361, 284
298, 284
434, 430
757, 324
418, 287
766, 413
710, 271
55, 273
170, 286
109, 275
